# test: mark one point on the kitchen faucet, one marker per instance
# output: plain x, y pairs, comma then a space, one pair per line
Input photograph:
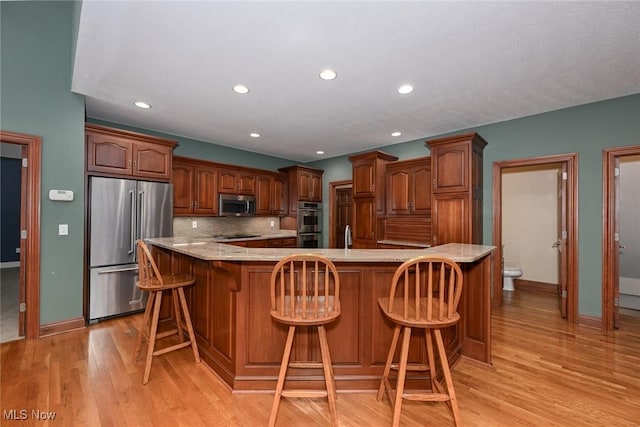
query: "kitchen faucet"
347, 236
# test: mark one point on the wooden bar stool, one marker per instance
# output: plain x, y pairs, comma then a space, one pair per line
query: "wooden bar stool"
152, 281
425, 292
305, 291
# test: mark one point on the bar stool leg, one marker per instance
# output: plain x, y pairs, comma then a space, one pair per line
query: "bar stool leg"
175, 302
328, 374
432, 361
387, 366
283, 372
453, 402
187, 319
152, 335
144, 330
402, 371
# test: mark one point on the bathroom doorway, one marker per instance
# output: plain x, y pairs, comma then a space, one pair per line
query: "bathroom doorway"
558, 245
340, 211
28, 274
621, 238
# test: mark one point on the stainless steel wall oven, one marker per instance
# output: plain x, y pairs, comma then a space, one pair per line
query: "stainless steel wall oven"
309, 225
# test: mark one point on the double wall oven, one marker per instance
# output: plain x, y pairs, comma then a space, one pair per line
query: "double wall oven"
309, 225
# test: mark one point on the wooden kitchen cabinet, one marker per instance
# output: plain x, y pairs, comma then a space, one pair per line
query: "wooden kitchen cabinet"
271, 194
117, 152
305, 185
236, 181
456, 202
194, 188
409, 187
369, 197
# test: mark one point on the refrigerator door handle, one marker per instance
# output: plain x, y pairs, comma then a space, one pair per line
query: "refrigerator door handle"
141, 214
132, 237
117, 270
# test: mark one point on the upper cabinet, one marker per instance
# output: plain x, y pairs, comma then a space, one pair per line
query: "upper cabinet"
237, 181
305, 185
409, 187
123, 153
271, 194
456, 202
194, 188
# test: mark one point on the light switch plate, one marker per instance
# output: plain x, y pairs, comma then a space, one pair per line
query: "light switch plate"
63, 229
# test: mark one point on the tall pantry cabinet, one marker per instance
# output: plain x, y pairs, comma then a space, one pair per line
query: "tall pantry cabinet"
456, 201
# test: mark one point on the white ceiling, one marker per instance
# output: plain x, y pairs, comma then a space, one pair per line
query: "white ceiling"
471, 63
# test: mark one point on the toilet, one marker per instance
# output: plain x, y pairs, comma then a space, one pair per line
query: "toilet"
508, 274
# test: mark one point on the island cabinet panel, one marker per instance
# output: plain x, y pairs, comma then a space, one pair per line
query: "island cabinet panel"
201, 303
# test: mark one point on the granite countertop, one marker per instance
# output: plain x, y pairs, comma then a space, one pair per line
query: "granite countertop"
209, 249
403, 243
280, 234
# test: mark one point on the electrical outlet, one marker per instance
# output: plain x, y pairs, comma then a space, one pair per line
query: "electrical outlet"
194, 224
273, 223
17, 250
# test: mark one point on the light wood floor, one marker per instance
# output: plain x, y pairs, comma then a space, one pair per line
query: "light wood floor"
544, 373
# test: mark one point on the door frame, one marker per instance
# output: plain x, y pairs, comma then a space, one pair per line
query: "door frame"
571, 161
30, 221
609, 248
333, 187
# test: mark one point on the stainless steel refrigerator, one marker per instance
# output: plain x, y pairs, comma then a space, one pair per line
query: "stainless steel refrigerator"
121, 212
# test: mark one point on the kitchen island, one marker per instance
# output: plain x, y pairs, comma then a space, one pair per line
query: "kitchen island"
230, 306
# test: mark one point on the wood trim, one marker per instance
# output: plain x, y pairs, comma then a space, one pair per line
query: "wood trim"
608, 243
571, 160
56, 328
532, 285
333, 186
33, 144
590, 321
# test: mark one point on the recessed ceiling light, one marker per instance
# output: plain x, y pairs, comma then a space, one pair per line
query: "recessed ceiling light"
319, 152
240, 89
328, 75
396, 133
142, 104
404, 89
254, 135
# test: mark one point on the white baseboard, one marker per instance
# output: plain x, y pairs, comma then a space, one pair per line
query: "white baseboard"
10, 264
630, 286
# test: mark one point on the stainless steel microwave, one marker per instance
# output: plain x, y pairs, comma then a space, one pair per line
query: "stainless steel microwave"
236, 205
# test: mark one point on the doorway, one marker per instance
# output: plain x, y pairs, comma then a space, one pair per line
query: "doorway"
620, 250
30, 147
340, 211
566, 217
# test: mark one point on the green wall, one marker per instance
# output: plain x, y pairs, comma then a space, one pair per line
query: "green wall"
586, 130
36, 98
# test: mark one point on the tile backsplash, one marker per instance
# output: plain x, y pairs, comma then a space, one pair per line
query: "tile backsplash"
210, 226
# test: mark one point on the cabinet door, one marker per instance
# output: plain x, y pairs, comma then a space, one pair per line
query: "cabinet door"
263, 194
246, 183
398, 197
151, 160
182, 189
206, 184
227, 181
315, 188
304, 186
450, 219
363, 178
450, 167
109, 154
364, 212
421, 190
280, 196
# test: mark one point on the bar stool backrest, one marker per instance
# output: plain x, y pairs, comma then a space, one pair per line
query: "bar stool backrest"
305, 288
426, 289
148, 274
